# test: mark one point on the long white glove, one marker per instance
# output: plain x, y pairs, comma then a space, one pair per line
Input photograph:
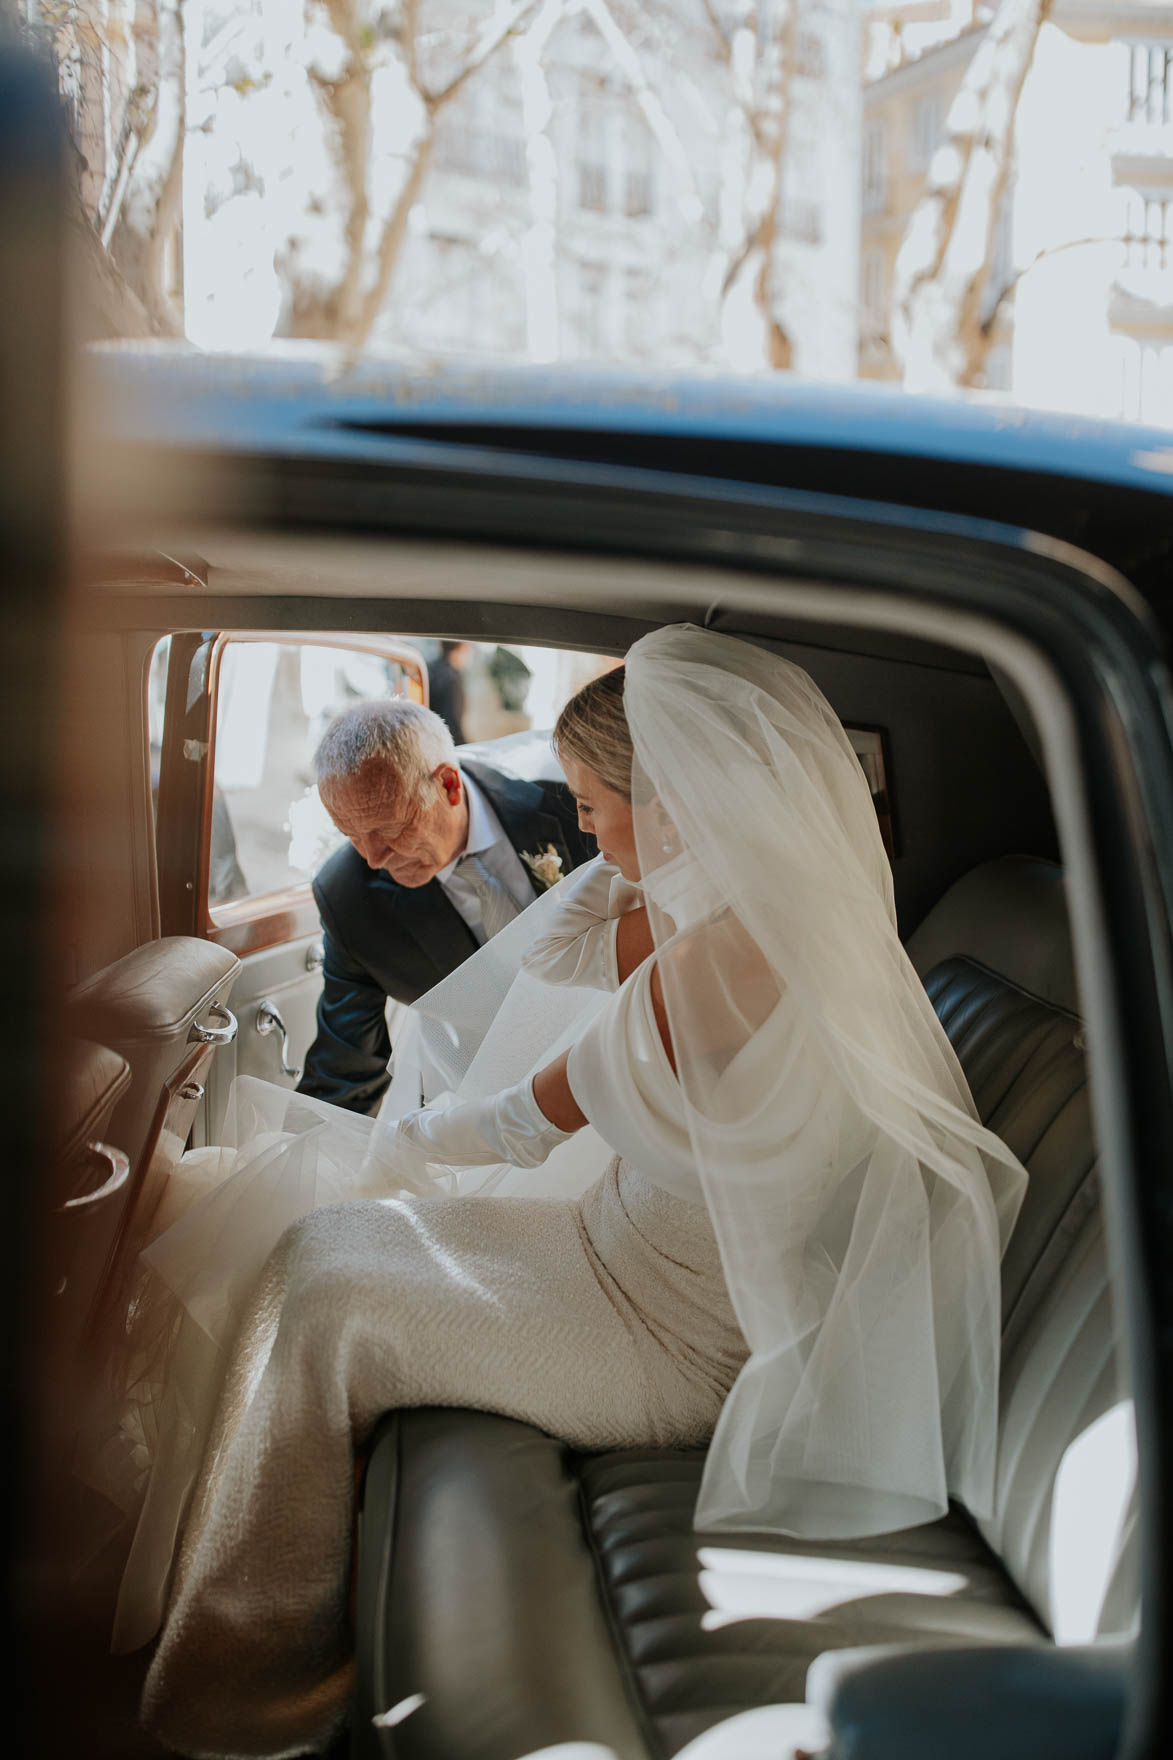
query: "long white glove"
579, 946
509, 1126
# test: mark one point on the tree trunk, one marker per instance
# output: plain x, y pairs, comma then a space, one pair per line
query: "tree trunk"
105, 308
751, 293
346, 308
943, 269
150, 209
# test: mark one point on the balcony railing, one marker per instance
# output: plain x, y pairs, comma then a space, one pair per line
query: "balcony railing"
1142, 155
874, 197
1141, 302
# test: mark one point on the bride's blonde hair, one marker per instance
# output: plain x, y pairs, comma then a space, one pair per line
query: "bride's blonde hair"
592, 730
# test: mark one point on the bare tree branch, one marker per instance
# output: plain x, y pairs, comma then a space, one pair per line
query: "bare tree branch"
724, 45
1010, 286
390, 243
491, 39
944, 339
149, 207
411, 42
107, 218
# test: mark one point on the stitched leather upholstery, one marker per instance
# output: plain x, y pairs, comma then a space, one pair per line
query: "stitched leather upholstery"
689, 1672
680, 1672
144, 1005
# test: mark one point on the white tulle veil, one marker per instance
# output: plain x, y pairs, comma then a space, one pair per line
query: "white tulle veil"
860, 1207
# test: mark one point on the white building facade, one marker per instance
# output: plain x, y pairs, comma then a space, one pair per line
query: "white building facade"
581, 196
1082, 271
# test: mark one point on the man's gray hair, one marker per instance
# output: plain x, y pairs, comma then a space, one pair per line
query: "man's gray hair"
404, 735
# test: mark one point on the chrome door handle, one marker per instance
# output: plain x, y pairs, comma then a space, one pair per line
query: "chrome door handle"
119, 1165
315, 957
269, 1021
215, 1035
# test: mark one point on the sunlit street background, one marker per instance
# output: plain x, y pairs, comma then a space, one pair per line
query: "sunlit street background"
941, 193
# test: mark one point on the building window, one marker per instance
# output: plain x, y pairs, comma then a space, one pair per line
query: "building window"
809, 60
592, 294
872, 290
638, 159
591, 149
875, 168
592, 186
1150, 83
638, 329
480, 152
477, 136
926, 132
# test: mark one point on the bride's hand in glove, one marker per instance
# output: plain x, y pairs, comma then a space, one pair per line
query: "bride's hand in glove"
513, 1126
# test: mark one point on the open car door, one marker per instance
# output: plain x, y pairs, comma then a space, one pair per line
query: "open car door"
234, 718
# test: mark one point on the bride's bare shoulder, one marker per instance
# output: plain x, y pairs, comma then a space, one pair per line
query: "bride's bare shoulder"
716, 984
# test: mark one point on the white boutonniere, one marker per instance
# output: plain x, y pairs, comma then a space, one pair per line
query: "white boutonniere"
545, 867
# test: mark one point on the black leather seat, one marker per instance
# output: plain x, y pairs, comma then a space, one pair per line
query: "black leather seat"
536, 1596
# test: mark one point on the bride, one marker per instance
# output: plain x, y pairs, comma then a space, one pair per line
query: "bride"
698, 1161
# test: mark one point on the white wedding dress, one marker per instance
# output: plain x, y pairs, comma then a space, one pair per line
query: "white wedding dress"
604, 1320
791, 1244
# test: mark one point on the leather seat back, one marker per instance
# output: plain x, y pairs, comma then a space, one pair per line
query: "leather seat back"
144, 1006
996, 957
162, 1008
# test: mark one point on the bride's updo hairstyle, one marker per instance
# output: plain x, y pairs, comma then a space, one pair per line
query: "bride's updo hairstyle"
592, 730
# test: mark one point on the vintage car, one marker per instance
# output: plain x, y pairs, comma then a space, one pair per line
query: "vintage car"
982, 594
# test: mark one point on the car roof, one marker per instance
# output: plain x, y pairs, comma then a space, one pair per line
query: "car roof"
1105, 486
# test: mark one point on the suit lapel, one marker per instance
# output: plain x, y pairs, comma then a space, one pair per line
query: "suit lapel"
427, 914
520, 807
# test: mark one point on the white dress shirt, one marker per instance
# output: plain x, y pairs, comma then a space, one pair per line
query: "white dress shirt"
486, 839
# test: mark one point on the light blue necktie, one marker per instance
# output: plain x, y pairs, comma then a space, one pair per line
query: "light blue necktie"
497, 903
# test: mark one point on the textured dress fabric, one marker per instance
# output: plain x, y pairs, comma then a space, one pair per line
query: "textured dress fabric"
604, 1320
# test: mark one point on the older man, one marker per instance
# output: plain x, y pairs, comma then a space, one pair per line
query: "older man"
433, 866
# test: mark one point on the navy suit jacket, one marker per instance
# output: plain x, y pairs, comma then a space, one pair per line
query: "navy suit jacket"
381, 939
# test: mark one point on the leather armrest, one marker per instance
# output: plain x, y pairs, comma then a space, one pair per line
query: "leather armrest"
1013, 1701
144, 1006
94, 1079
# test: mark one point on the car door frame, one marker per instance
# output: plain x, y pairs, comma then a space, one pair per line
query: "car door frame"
187, 771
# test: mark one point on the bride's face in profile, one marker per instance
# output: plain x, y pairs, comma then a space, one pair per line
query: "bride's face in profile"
607, 816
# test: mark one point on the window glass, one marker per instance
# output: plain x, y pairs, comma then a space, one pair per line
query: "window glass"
274, 702
274, 699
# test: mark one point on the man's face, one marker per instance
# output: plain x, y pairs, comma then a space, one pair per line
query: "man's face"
410, 838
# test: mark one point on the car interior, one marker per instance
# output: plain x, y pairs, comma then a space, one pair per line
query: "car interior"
531, 1595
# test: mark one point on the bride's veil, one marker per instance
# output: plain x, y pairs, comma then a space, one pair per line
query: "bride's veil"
860, 1207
